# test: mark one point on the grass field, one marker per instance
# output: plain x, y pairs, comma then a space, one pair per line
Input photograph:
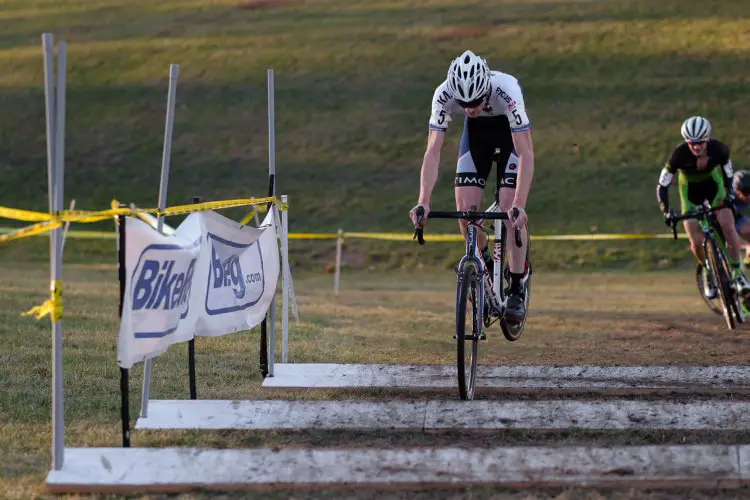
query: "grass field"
607, 84
654, 318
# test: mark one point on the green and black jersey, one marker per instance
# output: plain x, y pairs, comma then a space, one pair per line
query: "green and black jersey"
695, 186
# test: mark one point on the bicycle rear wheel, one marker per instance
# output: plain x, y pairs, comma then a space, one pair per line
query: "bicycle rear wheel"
467, 312
722, 282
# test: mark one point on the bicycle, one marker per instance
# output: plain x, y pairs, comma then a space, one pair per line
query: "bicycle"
487, 296
717, 265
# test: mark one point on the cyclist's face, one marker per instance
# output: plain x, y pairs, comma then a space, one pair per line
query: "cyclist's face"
473, 112
473, 108
698, 148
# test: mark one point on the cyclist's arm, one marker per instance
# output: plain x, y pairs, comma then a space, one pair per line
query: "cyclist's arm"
722, 157
665, 179
525, 151
440, 117
430, 163
728, 177
520, 126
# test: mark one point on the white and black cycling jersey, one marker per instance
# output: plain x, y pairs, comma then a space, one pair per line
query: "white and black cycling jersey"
506, 98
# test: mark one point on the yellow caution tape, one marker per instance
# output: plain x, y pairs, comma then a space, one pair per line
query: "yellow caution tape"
104, 235
259, 208
38, 229
7, 234
52, 306
249, 216
312, 236
402, 236
33, 230
214, 205
557, 237
24, 215
574, 237
97, 216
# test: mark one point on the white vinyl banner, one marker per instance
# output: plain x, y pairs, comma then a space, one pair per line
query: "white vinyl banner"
210, 277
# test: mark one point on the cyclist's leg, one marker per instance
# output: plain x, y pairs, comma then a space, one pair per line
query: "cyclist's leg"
692, 227
472, 169
734, 243
516, 255
516, 305
734, 250
726, 221
690, 195
725, 217
695, 235
467, 197
742, 226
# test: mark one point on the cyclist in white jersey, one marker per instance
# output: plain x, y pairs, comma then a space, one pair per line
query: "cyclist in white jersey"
496, 127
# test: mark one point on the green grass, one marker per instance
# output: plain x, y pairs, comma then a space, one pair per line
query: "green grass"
607, 85
613, 318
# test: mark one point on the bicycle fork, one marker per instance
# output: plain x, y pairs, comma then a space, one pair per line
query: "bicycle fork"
479, 302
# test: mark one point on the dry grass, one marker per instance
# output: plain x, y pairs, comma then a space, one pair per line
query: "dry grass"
614, 318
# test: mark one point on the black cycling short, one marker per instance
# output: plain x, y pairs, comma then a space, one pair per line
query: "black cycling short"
486, 139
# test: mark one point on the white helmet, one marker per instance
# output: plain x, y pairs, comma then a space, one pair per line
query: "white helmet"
468, 77
696, 129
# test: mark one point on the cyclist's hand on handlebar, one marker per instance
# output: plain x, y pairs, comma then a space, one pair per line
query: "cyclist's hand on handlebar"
669, 218
419, 219
518, 217
418, 216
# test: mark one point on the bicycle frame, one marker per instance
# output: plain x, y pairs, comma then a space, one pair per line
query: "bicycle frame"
706, 216
498, 255
472, 255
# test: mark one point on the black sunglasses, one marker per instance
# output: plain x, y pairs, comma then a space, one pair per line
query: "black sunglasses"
471, 104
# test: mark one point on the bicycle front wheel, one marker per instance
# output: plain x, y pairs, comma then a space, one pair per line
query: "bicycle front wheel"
722, 281
468, 313
701, 276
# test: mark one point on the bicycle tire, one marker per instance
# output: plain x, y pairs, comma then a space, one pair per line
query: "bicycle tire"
699, 282
722, 282
467, 294
733, 294
737, 300
513, 331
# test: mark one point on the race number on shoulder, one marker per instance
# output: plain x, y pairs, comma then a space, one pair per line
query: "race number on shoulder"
508, 91
441, 114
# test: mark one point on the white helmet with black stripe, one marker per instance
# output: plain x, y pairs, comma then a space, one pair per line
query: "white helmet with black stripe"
696, 129
468, 77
